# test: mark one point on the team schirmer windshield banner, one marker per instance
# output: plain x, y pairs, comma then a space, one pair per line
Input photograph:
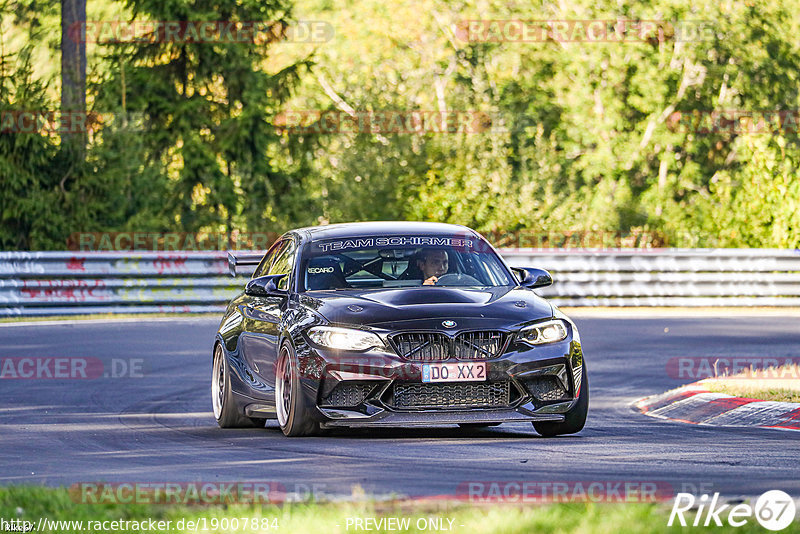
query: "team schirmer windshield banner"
395, 241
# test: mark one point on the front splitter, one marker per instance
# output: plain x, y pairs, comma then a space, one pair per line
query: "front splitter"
433, 418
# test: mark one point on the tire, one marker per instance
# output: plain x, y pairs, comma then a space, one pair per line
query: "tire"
225, 410
294, 417
477, 425
574, 419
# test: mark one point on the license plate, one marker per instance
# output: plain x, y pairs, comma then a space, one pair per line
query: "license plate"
454, 372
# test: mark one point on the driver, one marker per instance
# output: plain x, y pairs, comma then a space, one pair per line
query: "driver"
433, 263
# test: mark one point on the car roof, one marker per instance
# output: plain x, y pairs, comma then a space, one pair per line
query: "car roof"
382, 228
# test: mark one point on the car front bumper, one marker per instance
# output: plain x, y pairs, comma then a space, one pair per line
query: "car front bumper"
359, 389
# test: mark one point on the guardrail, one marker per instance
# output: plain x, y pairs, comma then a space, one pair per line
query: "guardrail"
667, 277
71, 283
67, 283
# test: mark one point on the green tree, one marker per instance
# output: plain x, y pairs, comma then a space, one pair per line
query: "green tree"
37, 206
207, 109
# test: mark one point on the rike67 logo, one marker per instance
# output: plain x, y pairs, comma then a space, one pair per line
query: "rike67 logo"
774, 510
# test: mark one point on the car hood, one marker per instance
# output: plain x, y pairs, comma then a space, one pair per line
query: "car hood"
427, 307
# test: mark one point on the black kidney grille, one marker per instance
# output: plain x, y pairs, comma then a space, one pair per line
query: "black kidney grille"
546, 388
423, 346
432, 346
345, 394
479, 345
487, 395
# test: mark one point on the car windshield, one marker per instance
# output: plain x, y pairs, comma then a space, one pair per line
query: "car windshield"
396, 262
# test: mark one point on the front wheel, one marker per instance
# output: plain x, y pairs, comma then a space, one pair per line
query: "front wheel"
574, 419
294, 417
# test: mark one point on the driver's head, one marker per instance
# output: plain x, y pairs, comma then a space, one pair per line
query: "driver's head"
432, 262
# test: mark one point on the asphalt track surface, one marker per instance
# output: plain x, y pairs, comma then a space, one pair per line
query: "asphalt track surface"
158, 427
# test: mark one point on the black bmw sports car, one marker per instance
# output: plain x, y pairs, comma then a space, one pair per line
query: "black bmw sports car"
394, 324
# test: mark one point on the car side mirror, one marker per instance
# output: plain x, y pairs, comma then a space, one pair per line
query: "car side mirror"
532, 278
265, 286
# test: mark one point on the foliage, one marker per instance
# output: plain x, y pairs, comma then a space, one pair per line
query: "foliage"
584, 136
35, 205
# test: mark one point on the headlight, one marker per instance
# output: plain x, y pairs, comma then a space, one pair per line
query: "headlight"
547, 332
344, 338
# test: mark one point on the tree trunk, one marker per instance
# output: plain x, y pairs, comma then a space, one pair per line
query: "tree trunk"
73, 73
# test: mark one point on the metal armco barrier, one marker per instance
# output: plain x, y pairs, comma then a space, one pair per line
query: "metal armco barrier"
72, 283
667, 277
67, 283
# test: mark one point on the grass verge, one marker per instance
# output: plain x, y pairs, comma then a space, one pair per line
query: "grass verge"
31, 503
781, 384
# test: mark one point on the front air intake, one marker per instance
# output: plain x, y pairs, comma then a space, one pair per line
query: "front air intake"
435, 346
347, 395
485, 395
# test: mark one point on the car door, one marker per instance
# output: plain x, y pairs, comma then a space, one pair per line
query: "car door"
262, 316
